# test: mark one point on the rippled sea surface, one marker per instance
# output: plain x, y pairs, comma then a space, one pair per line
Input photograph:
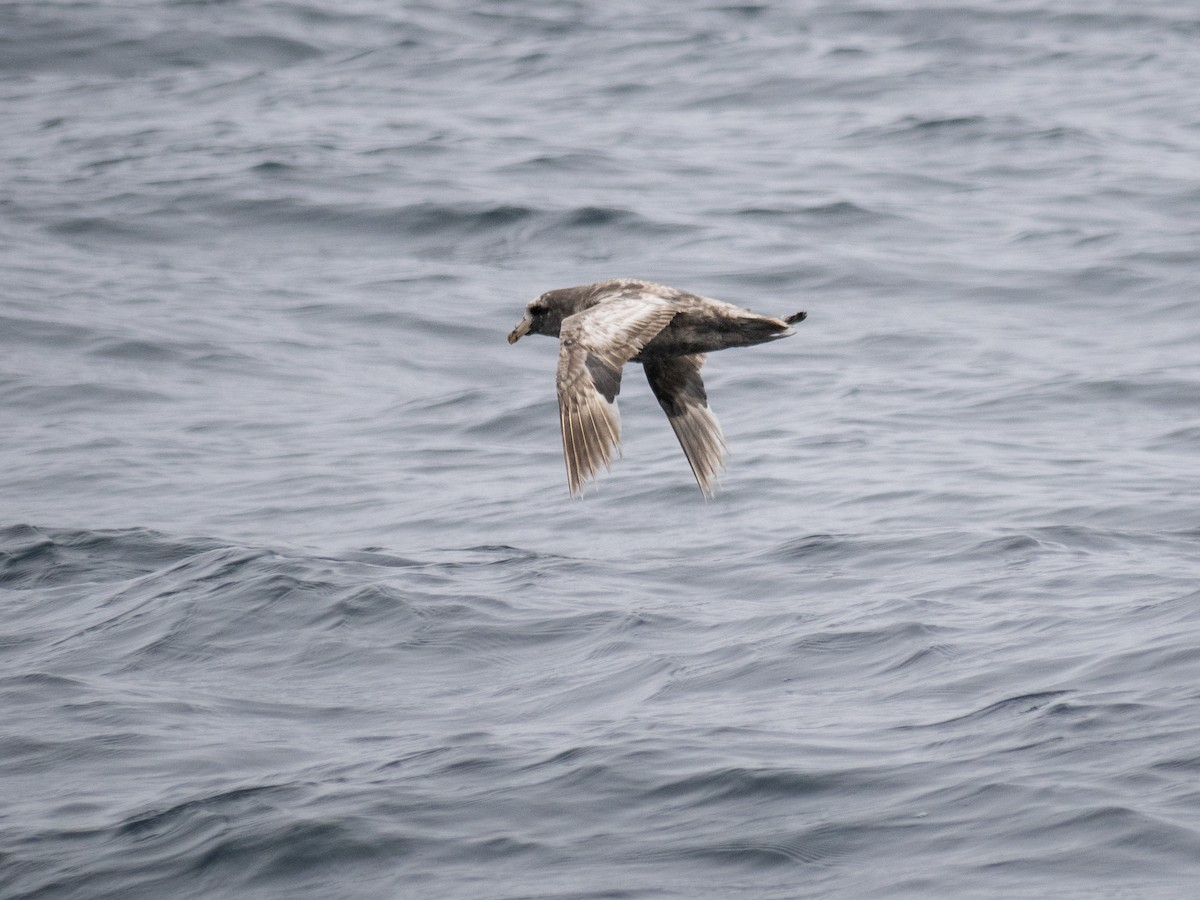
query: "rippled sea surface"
295, 602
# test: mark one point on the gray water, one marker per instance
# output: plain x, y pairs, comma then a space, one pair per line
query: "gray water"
296, 603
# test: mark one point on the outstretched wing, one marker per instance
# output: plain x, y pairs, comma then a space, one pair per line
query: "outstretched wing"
593, 346
680, 391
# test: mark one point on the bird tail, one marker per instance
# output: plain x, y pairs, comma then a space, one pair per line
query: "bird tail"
787, 322
751, 329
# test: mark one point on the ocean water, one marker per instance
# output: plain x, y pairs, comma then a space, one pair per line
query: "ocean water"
296, 604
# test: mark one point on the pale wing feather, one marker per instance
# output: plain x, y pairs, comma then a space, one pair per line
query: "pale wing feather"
680, 391
593, 346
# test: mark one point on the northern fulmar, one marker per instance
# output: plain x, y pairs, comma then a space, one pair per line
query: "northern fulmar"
602, 326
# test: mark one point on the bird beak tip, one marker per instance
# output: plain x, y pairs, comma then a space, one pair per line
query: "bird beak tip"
519, 332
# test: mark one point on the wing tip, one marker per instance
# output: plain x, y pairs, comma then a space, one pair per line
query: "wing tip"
589, 436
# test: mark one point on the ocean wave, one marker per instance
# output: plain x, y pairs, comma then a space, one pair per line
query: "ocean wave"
104, 46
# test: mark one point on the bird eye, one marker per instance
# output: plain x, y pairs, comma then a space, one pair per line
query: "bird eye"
537, 310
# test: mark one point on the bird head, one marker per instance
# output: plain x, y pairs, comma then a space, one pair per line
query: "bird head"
545, 314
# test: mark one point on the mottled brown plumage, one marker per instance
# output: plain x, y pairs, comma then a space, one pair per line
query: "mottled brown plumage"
602, 326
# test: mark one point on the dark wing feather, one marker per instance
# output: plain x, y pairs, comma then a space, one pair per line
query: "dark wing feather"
593, 346
680, 391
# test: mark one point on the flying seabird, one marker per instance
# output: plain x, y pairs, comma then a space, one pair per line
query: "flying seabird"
602, 326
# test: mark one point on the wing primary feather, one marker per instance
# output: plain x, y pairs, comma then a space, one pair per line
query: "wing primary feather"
602, 451
699, 450
591, 446
580, 452
568, 458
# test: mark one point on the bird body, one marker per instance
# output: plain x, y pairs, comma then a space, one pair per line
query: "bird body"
602, 326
